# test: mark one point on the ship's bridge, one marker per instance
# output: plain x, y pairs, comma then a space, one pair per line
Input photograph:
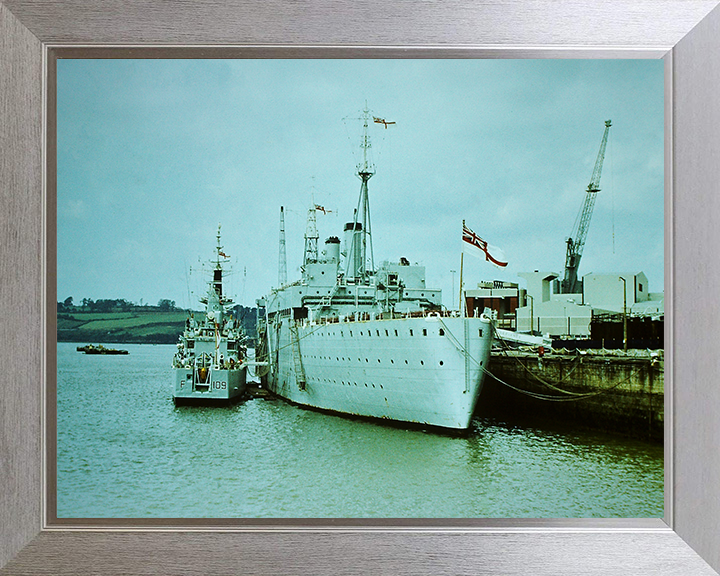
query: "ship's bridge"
320, 274
411, 277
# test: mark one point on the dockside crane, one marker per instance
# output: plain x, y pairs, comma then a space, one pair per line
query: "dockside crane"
576, 242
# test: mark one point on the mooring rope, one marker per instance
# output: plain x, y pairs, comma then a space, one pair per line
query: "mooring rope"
548, 397
572, 396
541, 380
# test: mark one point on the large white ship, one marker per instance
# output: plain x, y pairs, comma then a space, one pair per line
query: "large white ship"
210, 363
355, 339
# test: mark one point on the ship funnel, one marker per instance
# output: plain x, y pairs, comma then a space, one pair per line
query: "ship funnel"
332, 249
353, 249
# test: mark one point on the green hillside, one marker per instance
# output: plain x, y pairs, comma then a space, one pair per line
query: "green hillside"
148, 325
140, 327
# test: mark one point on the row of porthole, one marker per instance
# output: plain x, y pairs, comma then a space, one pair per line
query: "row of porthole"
367, 360
356, 384
365, 292
441, 332
330, 381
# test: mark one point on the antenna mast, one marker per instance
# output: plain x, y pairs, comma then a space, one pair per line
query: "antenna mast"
282, 257
361, 220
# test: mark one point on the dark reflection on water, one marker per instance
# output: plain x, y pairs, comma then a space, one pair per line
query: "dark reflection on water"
125, 451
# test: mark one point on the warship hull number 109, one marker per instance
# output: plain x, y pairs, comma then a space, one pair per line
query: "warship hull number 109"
210, 364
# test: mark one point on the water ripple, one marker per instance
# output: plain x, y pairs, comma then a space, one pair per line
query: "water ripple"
125, 451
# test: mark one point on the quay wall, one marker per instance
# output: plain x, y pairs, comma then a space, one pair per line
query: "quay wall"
619, 394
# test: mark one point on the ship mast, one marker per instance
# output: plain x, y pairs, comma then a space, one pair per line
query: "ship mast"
361, 220
282, 257
220, 258
311, 237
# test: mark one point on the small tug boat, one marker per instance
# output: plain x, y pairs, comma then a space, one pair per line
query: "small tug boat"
99, 349
210, 364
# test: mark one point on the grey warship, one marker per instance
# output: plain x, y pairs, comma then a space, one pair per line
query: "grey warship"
210, 363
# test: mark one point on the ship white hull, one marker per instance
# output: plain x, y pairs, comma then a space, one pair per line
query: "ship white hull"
217, 386
426, 370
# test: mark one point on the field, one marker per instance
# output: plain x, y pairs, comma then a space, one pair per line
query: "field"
151, 327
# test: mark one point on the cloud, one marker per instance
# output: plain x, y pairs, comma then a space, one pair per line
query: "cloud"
164, 150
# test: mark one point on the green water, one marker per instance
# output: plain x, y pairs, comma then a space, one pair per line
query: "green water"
124, 451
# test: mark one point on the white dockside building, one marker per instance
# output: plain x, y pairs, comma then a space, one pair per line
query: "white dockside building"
546, 311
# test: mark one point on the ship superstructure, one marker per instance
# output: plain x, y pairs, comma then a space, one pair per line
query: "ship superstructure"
355, 339
210, 364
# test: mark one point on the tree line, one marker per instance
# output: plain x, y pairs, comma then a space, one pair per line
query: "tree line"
113, 305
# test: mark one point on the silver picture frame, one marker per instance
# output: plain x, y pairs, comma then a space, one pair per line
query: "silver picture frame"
686, 33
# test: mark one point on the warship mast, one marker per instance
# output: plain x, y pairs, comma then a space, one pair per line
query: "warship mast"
220, 259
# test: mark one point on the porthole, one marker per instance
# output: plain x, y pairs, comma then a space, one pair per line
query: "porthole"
480, 334
441, 332
424, 331
392, 361
396, 333
406, 361
387, 333
441, 362
411, 332
378, 360
422, 363
366, 360
377, 332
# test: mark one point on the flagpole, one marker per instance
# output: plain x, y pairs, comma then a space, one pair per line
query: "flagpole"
460, 298
460, 306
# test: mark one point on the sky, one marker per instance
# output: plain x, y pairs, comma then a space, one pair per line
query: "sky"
153, 155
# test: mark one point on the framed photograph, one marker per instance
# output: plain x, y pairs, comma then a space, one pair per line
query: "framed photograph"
152, 151
51, 529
